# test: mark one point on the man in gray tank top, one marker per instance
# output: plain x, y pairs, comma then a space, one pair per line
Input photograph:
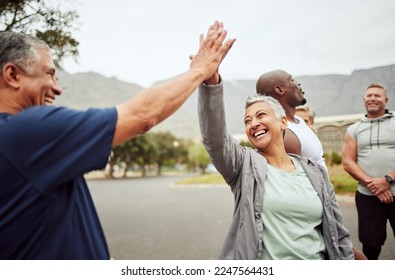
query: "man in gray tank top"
369, 157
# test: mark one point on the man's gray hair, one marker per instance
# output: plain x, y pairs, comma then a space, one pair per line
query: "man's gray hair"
272, 102
19, 49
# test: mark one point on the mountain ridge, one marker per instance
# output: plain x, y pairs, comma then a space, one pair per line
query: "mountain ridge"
328, 95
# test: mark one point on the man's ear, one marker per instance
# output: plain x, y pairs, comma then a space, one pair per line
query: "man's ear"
11, 75
279, 90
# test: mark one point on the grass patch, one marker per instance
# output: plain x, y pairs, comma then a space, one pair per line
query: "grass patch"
342, 182
215, 178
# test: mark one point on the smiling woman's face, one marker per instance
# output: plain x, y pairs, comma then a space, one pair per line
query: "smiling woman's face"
262, 126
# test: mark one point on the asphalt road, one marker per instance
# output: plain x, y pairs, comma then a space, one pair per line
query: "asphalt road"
154, 219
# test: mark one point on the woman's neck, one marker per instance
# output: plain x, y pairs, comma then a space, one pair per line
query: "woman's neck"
280, 160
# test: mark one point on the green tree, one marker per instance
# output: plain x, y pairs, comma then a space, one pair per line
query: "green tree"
138, 150
181, 151
168, 149
115, 159
40, 19
143, 152
125, 156
198, 157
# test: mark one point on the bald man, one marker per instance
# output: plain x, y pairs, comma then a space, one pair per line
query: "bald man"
299, 138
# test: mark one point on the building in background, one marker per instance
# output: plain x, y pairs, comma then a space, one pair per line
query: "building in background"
331, 131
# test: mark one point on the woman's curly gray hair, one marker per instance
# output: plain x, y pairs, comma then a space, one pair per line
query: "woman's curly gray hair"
272, 102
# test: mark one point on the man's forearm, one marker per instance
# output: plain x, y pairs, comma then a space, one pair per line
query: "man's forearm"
153, 105
357, 172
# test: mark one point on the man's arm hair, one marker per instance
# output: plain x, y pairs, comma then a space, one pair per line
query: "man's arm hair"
153, 105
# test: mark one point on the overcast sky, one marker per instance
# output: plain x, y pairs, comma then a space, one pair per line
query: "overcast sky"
144, 41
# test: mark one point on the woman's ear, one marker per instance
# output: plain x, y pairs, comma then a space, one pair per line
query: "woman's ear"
284, 123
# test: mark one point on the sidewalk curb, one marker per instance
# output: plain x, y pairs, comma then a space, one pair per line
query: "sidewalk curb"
345, 198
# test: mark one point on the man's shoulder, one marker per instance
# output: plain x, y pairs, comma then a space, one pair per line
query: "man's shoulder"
299, 126
41, 111
40, 119
353, 127
58, 112
31, 116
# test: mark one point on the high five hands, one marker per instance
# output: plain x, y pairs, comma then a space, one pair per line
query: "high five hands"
212, 50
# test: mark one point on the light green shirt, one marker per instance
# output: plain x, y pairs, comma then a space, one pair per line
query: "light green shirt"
292, 215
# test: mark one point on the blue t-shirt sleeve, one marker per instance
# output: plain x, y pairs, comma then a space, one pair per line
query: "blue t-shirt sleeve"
53, 145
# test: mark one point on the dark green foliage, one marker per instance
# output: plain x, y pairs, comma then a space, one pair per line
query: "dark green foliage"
333, 159
336, 158
40, 19
148, 151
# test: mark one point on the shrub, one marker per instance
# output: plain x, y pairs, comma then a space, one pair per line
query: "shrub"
336, 158
333, 159
342, 182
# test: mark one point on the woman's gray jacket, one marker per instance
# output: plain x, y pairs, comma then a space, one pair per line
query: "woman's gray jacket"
244, 170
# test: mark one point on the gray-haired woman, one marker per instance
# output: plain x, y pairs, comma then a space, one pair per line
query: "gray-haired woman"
285, 206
